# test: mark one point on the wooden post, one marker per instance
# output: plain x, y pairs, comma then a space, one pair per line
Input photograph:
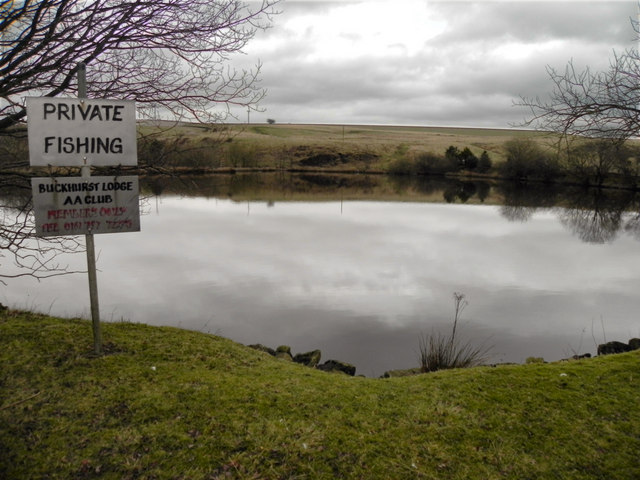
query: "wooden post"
91, 249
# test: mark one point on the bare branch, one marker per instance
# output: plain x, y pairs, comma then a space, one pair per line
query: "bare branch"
172, 53
168, 55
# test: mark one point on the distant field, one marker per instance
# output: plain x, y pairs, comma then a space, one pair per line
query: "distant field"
381, 143
389, 139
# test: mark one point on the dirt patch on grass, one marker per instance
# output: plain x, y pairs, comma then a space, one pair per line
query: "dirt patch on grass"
310, 158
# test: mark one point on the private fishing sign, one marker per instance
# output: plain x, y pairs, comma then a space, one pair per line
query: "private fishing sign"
81, 131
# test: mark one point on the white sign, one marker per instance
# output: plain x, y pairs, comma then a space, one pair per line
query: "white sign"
76, 132
80, 206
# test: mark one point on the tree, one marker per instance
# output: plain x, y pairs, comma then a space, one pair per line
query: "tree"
167, 54
171, 56
526, 160
484, 162
593, 161
468, 159
452, 154
593, 104
31, 256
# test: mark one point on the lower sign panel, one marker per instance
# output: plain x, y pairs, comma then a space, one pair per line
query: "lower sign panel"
80, 206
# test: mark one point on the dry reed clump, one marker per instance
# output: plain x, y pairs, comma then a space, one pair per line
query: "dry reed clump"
440, 352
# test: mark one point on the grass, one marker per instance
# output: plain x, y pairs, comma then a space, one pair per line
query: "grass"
284, 145
166, 403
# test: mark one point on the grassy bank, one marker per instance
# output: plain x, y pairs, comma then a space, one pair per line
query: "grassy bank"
171, 404
334, 147
479, 153
516, 155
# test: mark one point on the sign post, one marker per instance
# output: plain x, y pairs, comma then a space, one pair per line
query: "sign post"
84, 132
90, 244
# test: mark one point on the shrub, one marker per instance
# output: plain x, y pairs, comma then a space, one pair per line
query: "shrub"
441, 352
534, 360
14, 152
401, 166
241, 155
526, 159
432, 164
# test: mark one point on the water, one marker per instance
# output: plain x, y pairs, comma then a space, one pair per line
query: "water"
361, 280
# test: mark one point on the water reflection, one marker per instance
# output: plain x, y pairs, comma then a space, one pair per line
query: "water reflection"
593, 215
259, 258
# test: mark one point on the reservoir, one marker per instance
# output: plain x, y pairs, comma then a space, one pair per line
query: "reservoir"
361, 275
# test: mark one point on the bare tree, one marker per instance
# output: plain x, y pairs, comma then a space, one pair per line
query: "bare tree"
29, 255
167, 54
173, 56
602, 104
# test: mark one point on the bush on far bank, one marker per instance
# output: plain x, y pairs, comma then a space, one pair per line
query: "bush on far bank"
589, 162
527, 160
453, 160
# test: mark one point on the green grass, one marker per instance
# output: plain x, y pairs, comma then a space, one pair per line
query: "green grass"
166, 403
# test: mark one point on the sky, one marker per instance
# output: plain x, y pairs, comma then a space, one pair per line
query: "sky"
421, 62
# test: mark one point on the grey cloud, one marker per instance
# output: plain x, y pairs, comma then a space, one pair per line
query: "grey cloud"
609, 22
457, 77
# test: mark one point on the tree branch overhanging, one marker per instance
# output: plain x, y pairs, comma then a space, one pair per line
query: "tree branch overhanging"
591, 104
171, 52
172, 56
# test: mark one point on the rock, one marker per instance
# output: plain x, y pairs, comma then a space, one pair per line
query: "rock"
284, 352
612, 347
580, 357
310, 359
262, 348
337, 366
634, 344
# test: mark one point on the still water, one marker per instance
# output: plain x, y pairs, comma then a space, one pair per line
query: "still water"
361, 280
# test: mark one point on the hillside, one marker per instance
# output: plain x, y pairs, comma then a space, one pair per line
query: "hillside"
165, 403
335, 147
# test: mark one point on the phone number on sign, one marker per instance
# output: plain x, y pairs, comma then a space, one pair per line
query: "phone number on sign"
115, 225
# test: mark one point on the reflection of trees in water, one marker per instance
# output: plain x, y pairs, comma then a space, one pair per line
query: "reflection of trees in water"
428, 185
632, 226
515, 213
261, 185
520, 203
592, 226
596, 215
462, 191
593, 215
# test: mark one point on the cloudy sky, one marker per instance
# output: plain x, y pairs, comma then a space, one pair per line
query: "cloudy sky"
422, 62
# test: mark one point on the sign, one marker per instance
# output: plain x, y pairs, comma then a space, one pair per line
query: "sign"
76, 132
85, 205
